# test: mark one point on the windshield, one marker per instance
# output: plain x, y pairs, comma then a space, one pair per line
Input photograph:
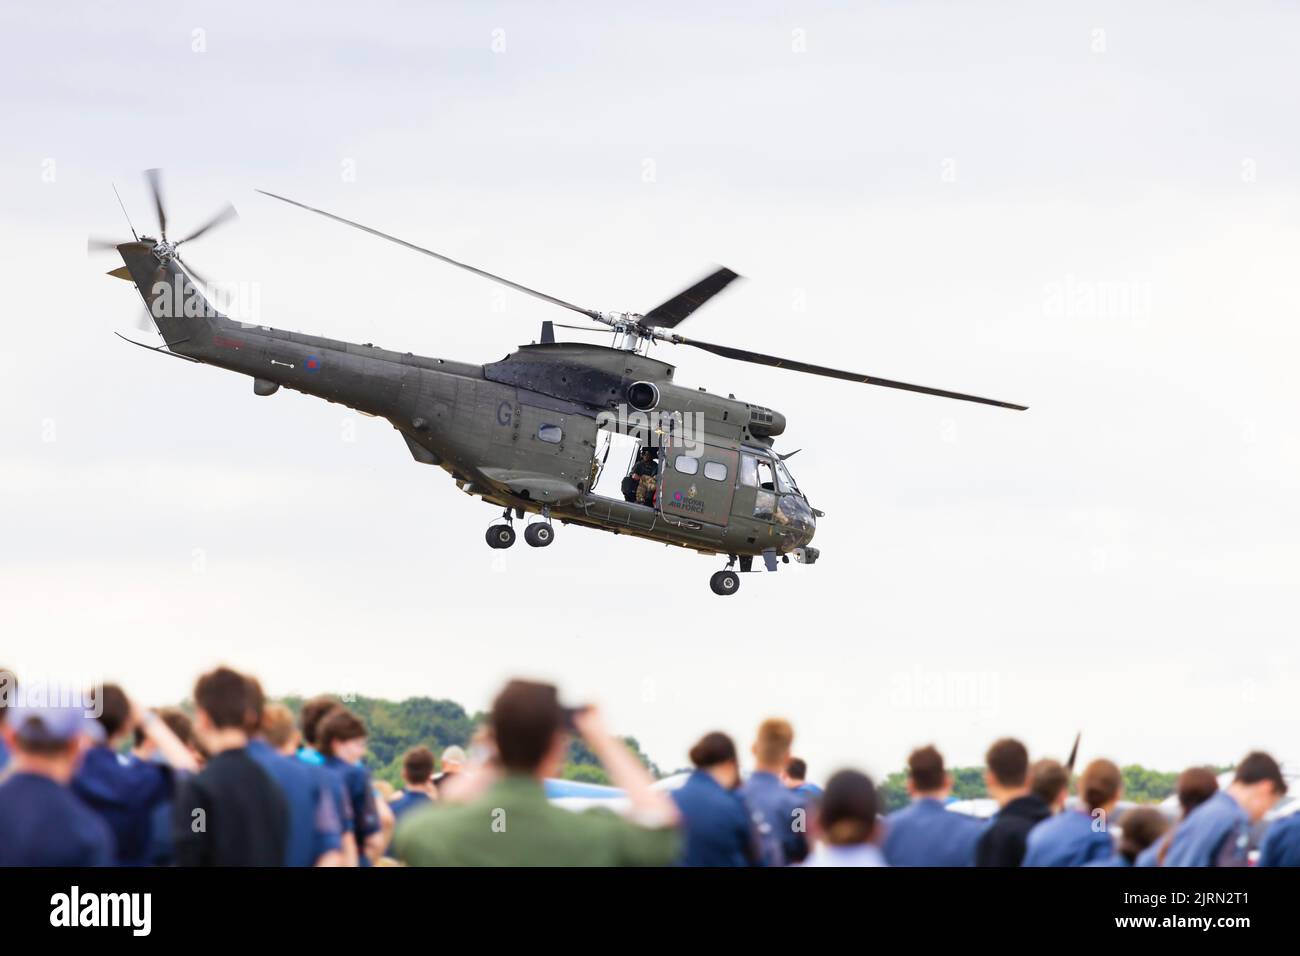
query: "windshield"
784, 482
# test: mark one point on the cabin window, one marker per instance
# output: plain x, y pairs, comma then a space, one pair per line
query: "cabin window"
715, 471
765, 497
686, 464
551, 433
748, 471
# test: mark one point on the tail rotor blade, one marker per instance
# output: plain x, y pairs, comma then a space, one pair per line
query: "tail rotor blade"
226, 214
154, 178
96, 244
193, 273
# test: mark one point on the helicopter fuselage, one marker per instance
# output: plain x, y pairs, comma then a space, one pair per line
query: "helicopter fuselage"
527, 433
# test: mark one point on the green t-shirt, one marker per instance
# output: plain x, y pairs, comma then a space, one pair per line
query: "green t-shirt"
513, 824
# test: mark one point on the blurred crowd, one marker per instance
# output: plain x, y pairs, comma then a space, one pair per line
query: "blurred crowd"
246, 782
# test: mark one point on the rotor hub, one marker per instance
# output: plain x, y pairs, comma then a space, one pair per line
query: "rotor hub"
164, 251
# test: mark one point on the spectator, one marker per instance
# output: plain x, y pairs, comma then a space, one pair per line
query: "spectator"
315, 834
1217, 833
453, 762
417, 774
310, 717
1079, 836
121, 788
924, 833
1195, 786
231, 813
42, 823
846, 822
1019, 809
8, 697
160, 851
1140, 829
341, 741
796, 778
1050, 782
512, 823
717, 825
1281, 846
779, 814
179, 723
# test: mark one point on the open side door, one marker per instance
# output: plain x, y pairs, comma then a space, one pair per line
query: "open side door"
696, 482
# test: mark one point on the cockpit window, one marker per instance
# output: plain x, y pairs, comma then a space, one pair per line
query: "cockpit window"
785, 483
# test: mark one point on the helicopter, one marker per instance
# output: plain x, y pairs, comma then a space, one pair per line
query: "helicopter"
533, 433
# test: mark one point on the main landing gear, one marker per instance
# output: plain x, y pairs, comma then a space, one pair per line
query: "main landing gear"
726, 581
538, 535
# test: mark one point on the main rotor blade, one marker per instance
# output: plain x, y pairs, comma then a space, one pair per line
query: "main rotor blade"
437, 255
679, 307
225, 214
759, 358
154, 178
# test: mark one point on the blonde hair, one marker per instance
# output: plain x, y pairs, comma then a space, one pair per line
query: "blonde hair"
278, 725
775, 738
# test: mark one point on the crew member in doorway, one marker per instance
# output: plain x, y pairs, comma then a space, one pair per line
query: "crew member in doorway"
644, 475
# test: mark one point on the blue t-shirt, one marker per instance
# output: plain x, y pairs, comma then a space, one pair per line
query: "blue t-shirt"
124, 790
408, 801
923, 833
314, 824
776, 811
1151, 855
717, 826
4, 755
360, 799
43, 824
1067, 839
1217, 833
1282, 843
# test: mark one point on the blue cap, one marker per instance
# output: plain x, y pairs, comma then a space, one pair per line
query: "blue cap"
47, 725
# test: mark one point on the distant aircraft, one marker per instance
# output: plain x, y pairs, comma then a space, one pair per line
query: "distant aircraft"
572, 795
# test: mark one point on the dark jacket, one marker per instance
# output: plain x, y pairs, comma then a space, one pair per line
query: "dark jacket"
1003, 842
230, 814
717, 824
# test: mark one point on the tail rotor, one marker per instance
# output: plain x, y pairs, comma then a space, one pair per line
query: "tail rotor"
164, 250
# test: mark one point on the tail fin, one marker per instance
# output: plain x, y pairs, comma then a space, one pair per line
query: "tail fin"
175, 304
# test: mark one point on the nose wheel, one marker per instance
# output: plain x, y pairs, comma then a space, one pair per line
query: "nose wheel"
725, 582
500, 536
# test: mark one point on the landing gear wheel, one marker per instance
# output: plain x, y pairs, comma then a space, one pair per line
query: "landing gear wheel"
500, 536
539, 535
725, 582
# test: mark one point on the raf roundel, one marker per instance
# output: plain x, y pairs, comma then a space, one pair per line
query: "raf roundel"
312, 364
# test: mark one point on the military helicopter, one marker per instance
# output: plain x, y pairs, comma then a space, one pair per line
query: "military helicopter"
532, 434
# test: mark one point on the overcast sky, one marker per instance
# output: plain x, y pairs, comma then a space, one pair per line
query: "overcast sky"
1091, 210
